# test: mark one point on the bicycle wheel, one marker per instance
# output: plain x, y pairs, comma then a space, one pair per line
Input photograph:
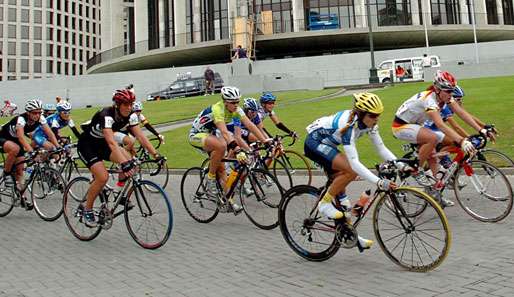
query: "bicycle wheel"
308, 233
74, 196
298, 166
281, 173
262, 205
495, 158
483, 191
150, 170
6, 196
198, 203
418, 243
148, 214
46, 189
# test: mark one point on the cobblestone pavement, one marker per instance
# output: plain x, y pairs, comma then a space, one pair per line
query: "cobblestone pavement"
231, 257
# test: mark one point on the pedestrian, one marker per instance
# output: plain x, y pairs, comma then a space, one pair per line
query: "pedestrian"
209, 81
400, 72
240, 53
58, 99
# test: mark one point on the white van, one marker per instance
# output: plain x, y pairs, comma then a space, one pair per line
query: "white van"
413, 68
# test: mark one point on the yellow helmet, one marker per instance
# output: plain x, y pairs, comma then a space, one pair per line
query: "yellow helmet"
368, 102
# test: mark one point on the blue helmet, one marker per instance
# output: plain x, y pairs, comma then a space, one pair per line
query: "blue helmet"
268, 97
250, 104
63, 106
458, 92
49, 107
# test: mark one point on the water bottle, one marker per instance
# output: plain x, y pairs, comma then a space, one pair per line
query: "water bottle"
359, 206
231, 178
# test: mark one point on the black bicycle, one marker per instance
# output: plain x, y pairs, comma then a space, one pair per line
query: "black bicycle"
45, 184
146, 208
259, 193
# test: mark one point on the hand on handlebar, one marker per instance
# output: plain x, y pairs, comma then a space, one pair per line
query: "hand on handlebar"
467, 146
386, 185
294, 134
161, 138
241, 157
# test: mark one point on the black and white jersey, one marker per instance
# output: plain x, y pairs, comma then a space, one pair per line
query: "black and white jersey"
107, 118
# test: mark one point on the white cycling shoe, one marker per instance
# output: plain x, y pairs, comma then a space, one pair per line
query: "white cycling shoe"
328, 209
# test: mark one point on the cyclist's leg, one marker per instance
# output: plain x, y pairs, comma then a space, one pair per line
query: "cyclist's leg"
216, 147
128, 142
413, 133
427, 141
11, 150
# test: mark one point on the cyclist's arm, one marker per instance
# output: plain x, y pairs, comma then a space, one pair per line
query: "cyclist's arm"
453, 123
478, 121
150, 128
279, 124
116, 153
48, 131
353, 158
75, 131
382, 150
438, 121
464, 115
20, 132
140, 136
224, 131
251, 126
239, 140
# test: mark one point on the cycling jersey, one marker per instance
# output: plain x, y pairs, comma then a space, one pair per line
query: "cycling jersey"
414, 110
9, 129
205, 121
107, 118
244, 130
326, 133
56, 123
263, 113
445, 113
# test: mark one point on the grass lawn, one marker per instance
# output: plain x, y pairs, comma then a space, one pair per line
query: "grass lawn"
186, 108
490, 99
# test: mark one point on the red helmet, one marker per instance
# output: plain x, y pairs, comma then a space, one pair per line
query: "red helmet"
444, 80
123, 96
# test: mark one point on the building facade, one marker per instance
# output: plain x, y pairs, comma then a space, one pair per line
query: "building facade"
286, 28
44, 38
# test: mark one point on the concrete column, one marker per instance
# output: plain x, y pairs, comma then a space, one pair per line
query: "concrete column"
499, 9
232, 14
361, 20
162, 23
197, 37
141, 24
415, 13
112, 14
480, 12
298, 16
180, 22
464, 16
427, 12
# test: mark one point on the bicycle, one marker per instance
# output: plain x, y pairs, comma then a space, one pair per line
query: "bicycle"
417, 242
45, 185
143, 210
469, 176
260, 206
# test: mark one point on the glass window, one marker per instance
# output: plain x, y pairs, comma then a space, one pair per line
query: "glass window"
24, 32
49, 3
13, 2
66, 5
1, 13
25, 49
25, 16
445, 12
58, 4
11, 15
11, 48
58, 51
11, 65
66, 53
24, 65
59, 67
38, 34
386, 66
58, 19
25, 2
49, 50
1, 36
59, 35
37, 66
37, 49
49, 66
66, 68
38, 16
73, 23
11, 31
38, 3
49, 33
49, 17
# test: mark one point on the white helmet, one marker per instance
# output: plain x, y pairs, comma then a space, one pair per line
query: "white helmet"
33, 104
63, 106
138, 106
230, 94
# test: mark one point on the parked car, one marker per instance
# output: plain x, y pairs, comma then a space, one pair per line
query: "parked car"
413, 67
185, 87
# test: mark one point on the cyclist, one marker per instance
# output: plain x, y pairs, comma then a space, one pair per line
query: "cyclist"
267, 101
203, 135
97, 144
250, 108
9, 108
345, 127
14, 144
411, 115
56, 121
48, 109
125, 139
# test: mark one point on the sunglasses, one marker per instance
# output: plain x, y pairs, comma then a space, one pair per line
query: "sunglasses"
35, 112
373, 115
233, 102
65, 112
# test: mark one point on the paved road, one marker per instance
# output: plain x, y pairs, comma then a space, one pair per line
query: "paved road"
231, 257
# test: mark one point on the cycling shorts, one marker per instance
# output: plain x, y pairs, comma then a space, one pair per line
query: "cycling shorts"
409, 132
92, 150
320, 153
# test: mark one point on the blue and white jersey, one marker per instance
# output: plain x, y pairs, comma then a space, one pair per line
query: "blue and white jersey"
340, 129
445, 113
262, 114
56, 123
237, 123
